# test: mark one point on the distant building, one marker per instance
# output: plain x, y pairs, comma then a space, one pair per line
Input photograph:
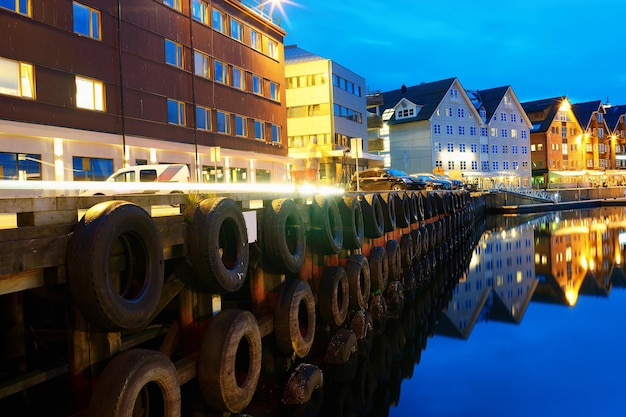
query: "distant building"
90, 87
325, 111
556, 147
614, 117
441, 127
596, 138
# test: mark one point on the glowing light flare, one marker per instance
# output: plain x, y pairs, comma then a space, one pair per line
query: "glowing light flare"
112, 188
571, 296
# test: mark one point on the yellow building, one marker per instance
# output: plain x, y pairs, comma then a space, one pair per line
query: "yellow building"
325, 111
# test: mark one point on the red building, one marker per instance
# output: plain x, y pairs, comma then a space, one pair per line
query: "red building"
89, 87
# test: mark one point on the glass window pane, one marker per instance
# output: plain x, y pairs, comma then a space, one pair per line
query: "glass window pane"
81, 19
172, 111
84, 93
9, 80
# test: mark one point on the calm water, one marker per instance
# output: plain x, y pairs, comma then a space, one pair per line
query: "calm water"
537, 327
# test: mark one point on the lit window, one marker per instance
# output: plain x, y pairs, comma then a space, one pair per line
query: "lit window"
89, 94
257, 84
201, 64
200, 11
18, 6
203, 118
173, 53
16, 79
174, 4
239, 78
221, 72
86, 21
219, 21
223, 122
241, 126
175, 112
236, 30
259, 130
274, 91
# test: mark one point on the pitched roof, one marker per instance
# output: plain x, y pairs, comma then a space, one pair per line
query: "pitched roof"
584, 112
548, 105
293, 54
491, 99
427, 95
613, 114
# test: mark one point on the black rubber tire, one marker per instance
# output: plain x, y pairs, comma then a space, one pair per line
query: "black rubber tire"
418, 246
284, 236
379, 268
402, 206
110, 298
326, 225
425, 240
378, 310
304, 384
393, 259
231, 339
428, 209
341, 357
133, 379
362, 325
358, 272
394, 295
417, 210
352, 221
373, 221
333, 296
218, 246
406, 250
294, 318
389, 211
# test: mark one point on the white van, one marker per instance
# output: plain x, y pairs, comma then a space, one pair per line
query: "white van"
136, 179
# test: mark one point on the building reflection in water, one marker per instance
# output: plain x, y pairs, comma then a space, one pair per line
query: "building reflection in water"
498, 284
554, 258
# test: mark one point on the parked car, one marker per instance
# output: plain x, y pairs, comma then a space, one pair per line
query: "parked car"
433, 182
386, 179
456, 184
133, 177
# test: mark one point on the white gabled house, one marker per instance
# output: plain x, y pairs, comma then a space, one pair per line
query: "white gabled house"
441, 127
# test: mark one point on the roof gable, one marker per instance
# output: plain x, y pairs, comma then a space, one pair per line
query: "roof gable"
584, 112
613, 115
426, 95
547, 107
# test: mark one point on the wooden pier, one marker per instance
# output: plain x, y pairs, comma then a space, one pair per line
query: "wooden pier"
201, 305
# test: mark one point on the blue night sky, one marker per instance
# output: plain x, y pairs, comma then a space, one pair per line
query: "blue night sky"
559, 361
542, 48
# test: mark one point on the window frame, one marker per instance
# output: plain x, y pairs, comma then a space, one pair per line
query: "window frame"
18, 9
174, 4
204, 114
199, 56
241, 121
178, 50
19, 81
222, 126
220, 77
200, 13
95, 95
91, 12
180, 112
221, 18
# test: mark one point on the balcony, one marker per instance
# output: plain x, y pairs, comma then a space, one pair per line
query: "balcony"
374, 121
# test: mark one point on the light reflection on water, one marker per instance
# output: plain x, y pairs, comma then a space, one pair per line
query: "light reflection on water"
536, 326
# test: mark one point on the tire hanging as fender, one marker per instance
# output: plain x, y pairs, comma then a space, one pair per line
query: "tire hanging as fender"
333, 296
122, 386
326, 225
115, 266
352, 222
231, 340
379, 268
218, 246
373, 222
294, 318
358, 272
284, 236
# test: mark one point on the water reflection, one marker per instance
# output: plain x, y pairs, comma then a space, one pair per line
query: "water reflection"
504, 270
